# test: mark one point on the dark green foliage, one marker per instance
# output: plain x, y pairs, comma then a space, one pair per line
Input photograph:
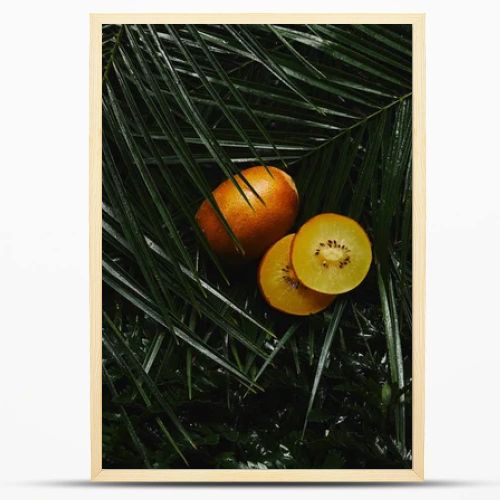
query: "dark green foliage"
197, 370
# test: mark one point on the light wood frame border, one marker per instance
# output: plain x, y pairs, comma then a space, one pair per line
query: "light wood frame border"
95, 188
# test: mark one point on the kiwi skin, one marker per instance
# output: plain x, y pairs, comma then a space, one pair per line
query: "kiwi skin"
256, 227
345, 290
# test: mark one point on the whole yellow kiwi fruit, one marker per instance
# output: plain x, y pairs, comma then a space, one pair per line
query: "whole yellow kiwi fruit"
257, 226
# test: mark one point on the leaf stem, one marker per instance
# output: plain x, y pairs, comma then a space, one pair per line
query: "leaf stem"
351, 127
118, 38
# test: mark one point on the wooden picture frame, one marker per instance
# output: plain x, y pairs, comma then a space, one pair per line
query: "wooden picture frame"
416, 473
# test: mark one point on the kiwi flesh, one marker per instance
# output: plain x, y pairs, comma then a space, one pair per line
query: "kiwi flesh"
280, 287
331, 253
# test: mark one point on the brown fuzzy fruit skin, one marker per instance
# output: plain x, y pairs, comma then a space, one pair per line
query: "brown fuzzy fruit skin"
258, 228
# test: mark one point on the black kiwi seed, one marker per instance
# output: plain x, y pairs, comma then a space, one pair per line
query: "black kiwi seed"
292, 282
333, 243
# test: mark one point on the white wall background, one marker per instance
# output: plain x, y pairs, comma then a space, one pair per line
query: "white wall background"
44, 362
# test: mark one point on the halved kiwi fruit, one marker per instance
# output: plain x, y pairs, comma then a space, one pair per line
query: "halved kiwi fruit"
331, 253
281, 288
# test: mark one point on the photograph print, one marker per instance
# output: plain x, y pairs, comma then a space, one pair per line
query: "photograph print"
257, 246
